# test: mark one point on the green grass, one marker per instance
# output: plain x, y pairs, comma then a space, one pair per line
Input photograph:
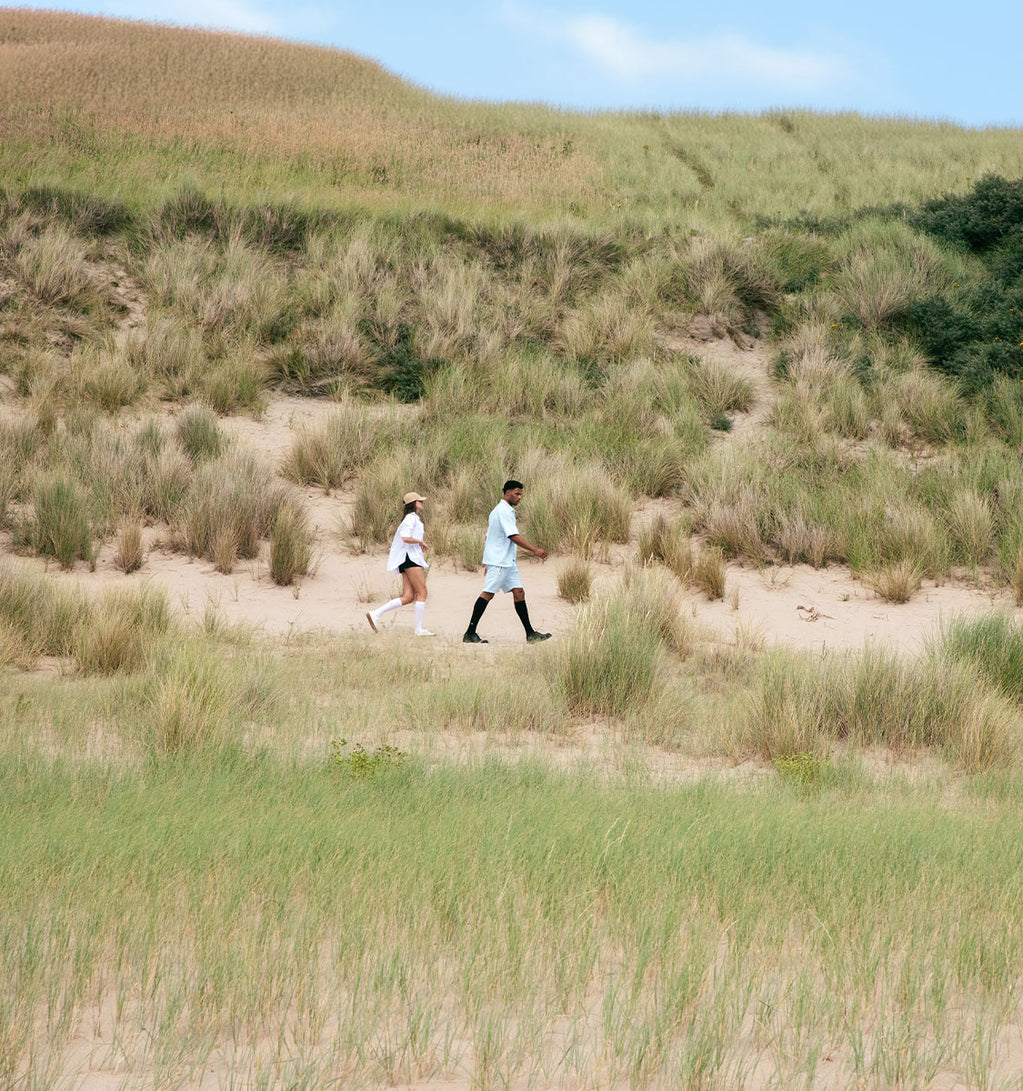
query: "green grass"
880, 699
218, 887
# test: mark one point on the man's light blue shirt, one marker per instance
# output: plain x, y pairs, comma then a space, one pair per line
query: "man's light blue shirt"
499, 549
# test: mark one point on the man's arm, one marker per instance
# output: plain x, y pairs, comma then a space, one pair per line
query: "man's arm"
523, 544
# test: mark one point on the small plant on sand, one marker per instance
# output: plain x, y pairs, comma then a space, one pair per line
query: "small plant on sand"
667, 543
803, 770
292, 541
709, 572
360, 763
575, 580
129, 555
61, 526
199, 433
896, 582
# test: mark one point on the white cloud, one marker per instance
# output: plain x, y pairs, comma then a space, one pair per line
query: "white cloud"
620, 50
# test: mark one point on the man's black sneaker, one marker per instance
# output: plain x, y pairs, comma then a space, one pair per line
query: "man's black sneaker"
473, 638
534, 636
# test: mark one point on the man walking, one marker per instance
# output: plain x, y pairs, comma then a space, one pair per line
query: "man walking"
502, 573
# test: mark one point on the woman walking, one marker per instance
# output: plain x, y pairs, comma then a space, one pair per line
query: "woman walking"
406, 557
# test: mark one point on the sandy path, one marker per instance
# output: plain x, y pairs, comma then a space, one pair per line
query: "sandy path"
797, 606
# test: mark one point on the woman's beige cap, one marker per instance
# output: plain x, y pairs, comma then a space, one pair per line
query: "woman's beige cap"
409, 497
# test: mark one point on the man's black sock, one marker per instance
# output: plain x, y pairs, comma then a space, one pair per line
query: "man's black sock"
477, 612
523, 612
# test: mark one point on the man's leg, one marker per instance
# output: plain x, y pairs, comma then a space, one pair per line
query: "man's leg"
519, 596
471, 636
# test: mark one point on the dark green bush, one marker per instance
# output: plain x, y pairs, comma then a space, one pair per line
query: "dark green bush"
974, 332
403, 371
980, 220
974, 338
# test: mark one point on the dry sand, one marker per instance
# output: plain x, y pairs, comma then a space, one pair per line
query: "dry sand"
798, 606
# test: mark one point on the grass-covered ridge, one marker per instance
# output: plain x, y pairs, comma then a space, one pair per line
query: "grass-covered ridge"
129, 108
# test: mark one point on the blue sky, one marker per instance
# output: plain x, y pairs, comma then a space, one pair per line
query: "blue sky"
903, 58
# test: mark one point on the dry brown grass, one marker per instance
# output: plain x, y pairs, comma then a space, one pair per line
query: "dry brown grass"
337, 128
343, 116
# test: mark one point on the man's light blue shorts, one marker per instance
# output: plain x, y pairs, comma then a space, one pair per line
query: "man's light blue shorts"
501, 578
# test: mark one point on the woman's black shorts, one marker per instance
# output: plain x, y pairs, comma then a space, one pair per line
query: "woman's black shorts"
406, 564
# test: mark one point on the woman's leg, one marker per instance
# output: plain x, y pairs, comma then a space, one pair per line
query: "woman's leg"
418, 579
407, 595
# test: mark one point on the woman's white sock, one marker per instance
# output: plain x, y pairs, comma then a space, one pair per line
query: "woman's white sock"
387, 606
420, 610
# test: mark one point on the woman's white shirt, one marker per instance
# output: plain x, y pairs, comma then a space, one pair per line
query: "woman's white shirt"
410, 527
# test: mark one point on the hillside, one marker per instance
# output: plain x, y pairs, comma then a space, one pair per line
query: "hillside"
750, 817
134, 110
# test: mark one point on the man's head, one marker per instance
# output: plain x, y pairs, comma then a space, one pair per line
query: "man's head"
512, 491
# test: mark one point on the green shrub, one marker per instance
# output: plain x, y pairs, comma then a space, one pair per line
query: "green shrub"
292, 542
123, 633
574, 581
804, 770
61, 525
198, 432
404, 371
980, 220
973, 331
360, 764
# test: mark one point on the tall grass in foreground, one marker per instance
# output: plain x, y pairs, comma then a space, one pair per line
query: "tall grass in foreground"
116, 633
292, 923
880, 699
575, 580
993, 644
614, 659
